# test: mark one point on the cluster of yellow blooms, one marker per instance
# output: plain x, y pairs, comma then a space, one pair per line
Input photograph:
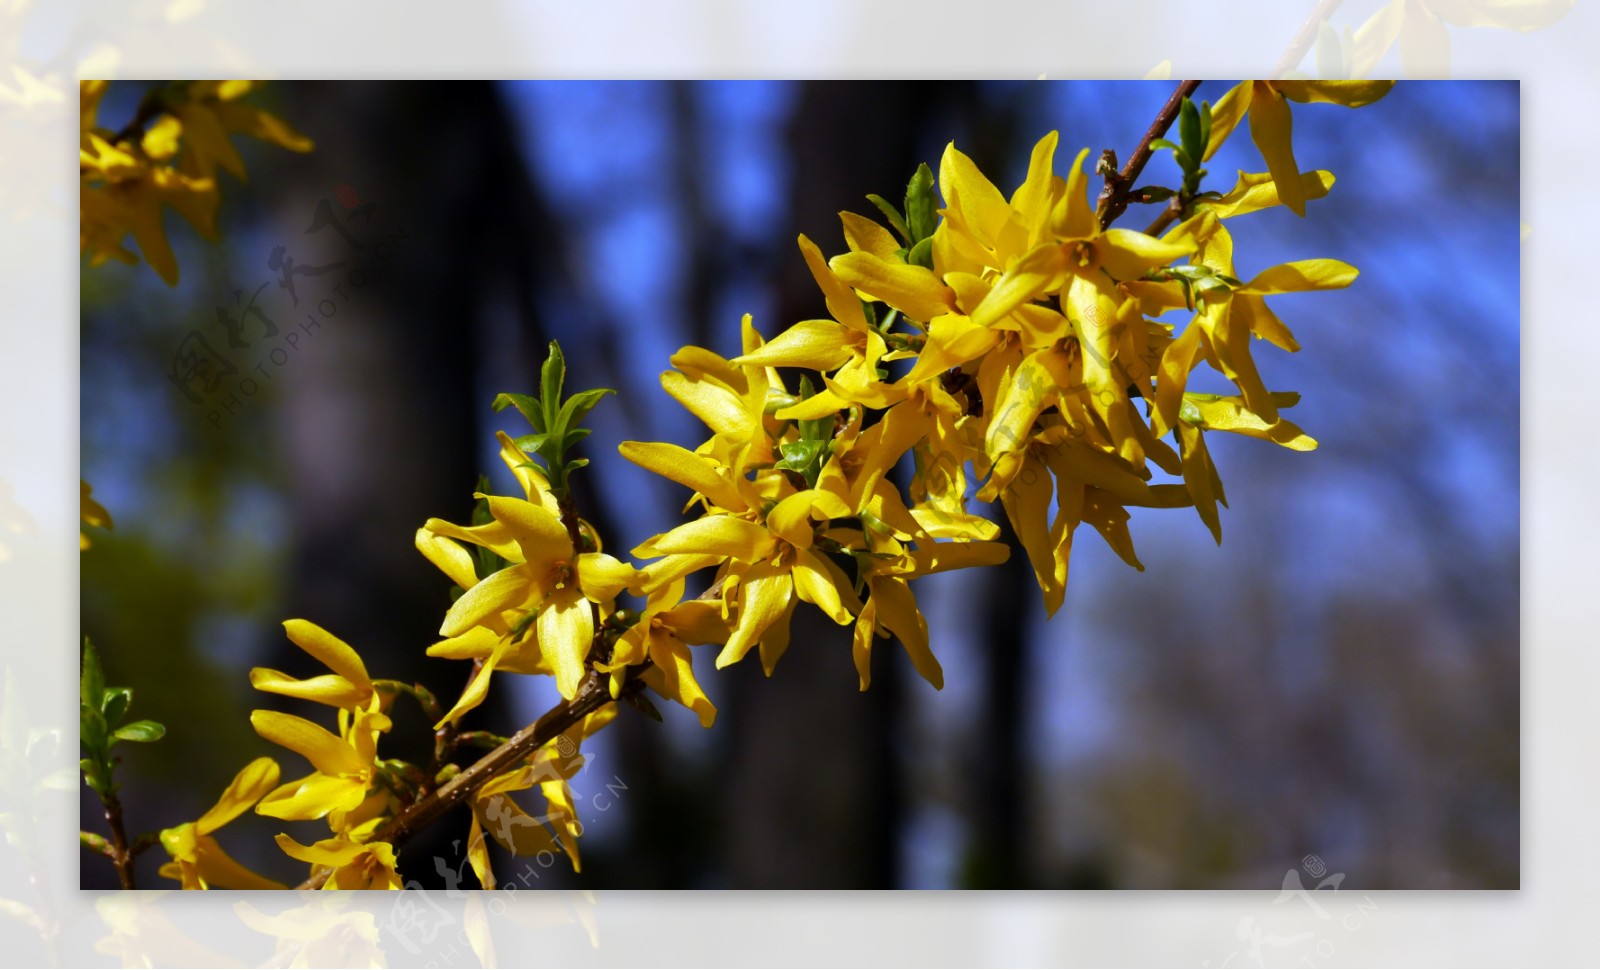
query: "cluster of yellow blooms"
1039, 362
127, 179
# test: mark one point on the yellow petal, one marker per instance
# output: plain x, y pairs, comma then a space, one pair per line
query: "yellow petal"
479, 641
1253, 313
864, 235
334, 653
861, 644
720, 409
517, 832
255, 780
478, 855
819, 345
452, 560
478, 687
507, 589
602, 577
1256, 191
818, 405
813, 584
897, 610
764, 592
775, 641
1073, 216
1350, 94
541, 536
952, 341
1127, 254
259, 124
790, 519
566, 631
720, 535
841, 300
672, 568
968, 191
1230, 345
327, 752
1230, 414
1200, 475
220, 871
1032, 199
1034, 385
911, 289
1035, 274
330, 689
313, 796
697, 622
1177, 361
329, 853
1227, 113
1270, 129
1302, 276
529, 475
943, 556
671, 675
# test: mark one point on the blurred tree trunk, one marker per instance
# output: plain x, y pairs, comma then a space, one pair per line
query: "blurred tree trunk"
814, 793
381, 414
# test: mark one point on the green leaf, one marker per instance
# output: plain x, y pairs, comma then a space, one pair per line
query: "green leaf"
893, 215
92, 775
551, 376
140, 731
798, 455
1178, 153
578, 406
1205, 126
91, 730
921, 209
117, 701
921, 254
1153, 193
1189, 130
532, 444
526, 405
92, 679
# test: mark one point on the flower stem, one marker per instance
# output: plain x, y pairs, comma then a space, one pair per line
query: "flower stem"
1114, 197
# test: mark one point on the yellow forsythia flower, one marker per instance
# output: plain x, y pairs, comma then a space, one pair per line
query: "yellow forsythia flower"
198, 862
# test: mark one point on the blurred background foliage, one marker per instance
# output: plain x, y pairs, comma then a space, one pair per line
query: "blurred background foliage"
1340, 678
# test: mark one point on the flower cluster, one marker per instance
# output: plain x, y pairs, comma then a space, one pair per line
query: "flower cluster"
1018, 349
168, 158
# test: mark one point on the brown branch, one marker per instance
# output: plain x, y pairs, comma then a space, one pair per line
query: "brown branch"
121, 856
1304, 37
1169, 215
593, 694
151, 106
1115, 196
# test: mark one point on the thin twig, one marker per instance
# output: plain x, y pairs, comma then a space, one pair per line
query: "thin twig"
1114, 197
121, 857
1304, 38
1170, 214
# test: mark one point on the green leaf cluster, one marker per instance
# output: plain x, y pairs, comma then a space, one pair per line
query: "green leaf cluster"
556, 422
1194, 133
919, 220
100, 725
